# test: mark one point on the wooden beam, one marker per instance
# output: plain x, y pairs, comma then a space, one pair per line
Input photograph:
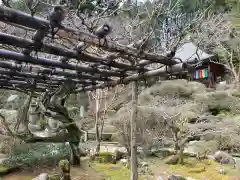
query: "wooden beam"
21, 86
12, 89
46, 84
19, 57
161, 71
27, 84
47, 71
51, 49
134, 162
41, 78
20, 18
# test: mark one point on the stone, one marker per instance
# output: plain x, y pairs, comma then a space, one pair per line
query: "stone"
172, 159
176, 177
224, 158
159, 178
43, 176
210, 157
201, 147
83, 152
222, 171
143, 164
189, 178
118, 154
124, 161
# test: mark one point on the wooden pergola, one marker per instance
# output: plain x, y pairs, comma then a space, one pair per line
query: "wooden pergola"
22, 71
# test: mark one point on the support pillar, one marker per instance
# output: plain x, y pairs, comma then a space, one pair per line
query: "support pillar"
134, 169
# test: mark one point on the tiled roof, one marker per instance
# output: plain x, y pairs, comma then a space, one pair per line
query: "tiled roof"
189, 53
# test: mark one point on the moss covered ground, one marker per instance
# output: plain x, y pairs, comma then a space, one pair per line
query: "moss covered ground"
107, 171
3, 169
206, 169
113, 171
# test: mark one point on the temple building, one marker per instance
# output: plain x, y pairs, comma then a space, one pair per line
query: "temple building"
206, 67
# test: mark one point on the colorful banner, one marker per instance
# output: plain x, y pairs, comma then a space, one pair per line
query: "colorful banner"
201, 73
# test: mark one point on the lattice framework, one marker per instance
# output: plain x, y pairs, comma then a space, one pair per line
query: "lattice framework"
89, 71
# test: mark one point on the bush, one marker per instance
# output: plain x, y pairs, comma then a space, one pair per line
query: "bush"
228, 143
218, 102
172, 88
6, 145
37, 154
5, 170
104, 157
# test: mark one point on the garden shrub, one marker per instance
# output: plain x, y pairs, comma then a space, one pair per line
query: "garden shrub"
37, 154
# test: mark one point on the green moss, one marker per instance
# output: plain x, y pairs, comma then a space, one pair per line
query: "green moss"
42, 123
64, 165
198, 170
54, 177
4, 169
236, 93
105, 157
113, 171
103, 154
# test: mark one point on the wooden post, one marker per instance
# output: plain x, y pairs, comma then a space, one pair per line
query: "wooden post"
134, 170
209, 77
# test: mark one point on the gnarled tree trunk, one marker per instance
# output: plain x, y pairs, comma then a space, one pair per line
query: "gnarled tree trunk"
52, 105
75, 153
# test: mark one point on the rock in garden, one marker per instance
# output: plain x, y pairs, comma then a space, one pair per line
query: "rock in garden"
210, 157
123, 161
176, 177
189, 178
222, 171
43, 176
172, 159
160, 178
224, 158
118, 154
143, 164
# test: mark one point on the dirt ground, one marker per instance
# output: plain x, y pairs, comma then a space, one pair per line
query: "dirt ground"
85, 172
77, 174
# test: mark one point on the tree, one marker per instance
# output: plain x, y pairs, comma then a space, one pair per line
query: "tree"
216, 34
101, 101
163, 107
177, 122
